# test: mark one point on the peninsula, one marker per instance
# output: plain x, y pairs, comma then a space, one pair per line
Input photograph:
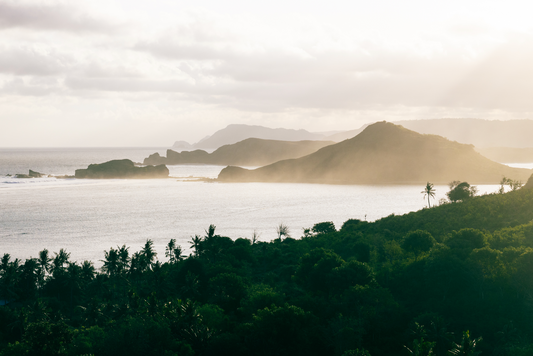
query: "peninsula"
384, 153
249, 152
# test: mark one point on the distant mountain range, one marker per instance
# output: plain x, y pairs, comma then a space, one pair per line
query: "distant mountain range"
236, 133
383, 153
508, 154
480, 133
249, 152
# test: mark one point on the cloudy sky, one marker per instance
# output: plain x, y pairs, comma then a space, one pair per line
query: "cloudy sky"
148, 73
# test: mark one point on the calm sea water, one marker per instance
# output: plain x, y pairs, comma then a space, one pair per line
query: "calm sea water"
87, 217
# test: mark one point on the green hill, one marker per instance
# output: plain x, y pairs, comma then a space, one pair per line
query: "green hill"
384, 153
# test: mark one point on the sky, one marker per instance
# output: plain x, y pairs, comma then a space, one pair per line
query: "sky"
132, 73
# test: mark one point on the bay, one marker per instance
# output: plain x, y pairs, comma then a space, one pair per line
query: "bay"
87, 217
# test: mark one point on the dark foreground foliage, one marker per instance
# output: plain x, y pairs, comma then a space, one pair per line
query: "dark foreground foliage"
454, 279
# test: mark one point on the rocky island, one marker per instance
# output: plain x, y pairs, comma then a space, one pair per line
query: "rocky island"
123, 168
31, 174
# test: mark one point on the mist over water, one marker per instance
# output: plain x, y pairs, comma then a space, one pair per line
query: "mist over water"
87, 217
64, 161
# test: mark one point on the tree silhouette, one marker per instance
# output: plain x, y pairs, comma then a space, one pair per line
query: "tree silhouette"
123, 259
513, 184
9, 275
323, 228
461, 191
429, 191
110, 261
210, 232
169, 250
148, 254
282, 230
196, 243
59, 261
87, 271
44, 266
255, 237
173, 251
503, 183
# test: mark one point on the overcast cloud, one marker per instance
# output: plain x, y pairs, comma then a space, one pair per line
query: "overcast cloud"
174, 68
50, 16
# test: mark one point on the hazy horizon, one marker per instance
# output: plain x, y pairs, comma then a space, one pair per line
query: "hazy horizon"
135, 74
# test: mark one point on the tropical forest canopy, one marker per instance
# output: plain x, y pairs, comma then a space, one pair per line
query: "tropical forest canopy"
443, 279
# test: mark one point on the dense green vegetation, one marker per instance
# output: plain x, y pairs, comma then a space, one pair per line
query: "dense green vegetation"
453, 279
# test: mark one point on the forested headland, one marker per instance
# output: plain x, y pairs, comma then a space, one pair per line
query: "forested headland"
452, 279
383, 153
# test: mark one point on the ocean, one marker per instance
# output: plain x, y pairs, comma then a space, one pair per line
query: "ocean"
86, 217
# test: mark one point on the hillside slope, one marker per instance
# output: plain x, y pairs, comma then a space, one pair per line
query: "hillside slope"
345, 135
384, 153
249, 152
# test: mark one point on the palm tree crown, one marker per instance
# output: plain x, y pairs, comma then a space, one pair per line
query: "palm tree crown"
429, 191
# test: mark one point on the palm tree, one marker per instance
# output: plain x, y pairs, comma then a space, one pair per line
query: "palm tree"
44, 261
178, 253
196, 244
87, 271
111, 262
44, 264
169, 251
59, 261
72, 281
282, 230
148, 253
4, 262
9, 277
210, 231
255, 237
429, 190
123, 259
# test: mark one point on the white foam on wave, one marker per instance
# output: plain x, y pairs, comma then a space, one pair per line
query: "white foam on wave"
14, 182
